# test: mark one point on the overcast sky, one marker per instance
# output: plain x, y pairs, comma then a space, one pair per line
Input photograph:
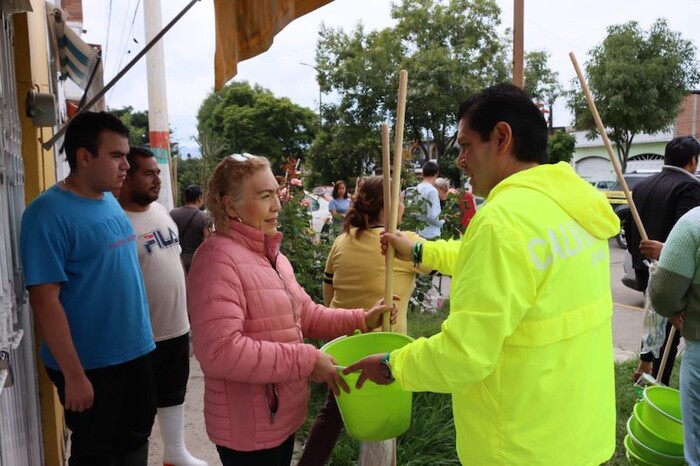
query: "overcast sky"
556, 26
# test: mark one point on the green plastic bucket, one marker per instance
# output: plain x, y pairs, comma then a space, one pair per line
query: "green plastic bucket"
660, 410
646, 452
374, 412
639, 430
632, 457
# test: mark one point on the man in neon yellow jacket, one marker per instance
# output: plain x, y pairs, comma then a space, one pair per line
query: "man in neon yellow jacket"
526, 351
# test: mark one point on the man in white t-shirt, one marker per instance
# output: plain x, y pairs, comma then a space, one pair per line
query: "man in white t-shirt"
164, 276
431, 202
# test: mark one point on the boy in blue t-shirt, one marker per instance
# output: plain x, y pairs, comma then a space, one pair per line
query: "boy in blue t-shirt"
86, 290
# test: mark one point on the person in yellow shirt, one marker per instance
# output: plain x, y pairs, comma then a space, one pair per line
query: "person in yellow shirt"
526, 351
354, 274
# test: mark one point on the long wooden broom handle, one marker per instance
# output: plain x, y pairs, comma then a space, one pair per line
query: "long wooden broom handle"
613, 158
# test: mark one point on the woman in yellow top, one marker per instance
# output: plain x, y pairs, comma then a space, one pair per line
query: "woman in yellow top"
355, 273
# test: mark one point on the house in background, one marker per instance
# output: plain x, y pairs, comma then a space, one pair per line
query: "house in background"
647, 151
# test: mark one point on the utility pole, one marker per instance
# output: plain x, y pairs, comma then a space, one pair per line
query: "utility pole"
320, 95
159, 130
518, 46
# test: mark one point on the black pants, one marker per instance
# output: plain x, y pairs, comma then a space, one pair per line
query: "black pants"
171, 368
120, 419
278, 456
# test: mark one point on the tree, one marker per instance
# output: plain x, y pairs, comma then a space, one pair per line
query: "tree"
541, 82
252, 119
638, 80
451, 49
137, 122
560, 147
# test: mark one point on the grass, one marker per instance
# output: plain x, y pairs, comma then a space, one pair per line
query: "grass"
431, 439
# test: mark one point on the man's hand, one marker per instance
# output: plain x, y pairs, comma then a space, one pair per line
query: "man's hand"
651, 249
677, 320
373, 317
79, 393
402, 245
371, 370
325, 371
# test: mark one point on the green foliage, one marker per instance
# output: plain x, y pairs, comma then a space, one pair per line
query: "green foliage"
305, 251
251, 119
560, 147
638, 80
450, 49
137, 122
541, 82
451, 212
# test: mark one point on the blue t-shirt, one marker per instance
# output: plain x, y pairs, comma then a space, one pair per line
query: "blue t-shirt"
341, 206
89, 247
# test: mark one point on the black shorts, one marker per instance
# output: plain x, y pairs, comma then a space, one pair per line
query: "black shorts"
171, 368
121, 416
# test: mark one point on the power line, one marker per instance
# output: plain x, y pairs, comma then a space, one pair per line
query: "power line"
109, 21
126, 50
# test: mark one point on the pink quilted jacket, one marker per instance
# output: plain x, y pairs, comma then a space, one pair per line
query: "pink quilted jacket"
249, 317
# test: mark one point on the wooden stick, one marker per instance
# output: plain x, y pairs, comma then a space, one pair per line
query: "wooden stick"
386, 172
667, 350
608, 146
396, 179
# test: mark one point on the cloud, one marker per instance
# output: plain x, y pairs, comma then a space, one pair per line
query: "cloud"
558, 27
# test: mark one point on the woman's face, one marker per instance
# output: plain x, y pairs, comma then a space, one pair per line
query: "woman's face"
259, 205
341, 191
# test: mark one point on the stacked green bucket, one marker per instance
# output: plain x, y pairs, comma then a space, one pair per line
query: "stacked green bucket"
655, 429
374, 412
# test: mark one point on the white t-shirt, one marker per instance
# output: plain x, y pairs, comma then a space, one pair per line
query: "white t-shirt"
163, 274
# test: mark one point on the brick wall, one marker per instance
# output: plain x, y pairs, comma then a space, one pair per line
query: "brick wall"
688, 120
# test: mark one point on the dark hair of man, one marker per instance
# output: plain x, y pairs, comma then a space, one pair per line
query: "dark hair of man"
134, 154
681, 151
85, 130
430, 168
336, 189
368, 204
192, 193
512, 105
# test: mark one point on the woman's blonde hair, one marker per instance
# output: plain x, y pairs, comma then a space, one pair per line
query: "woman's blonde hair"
228, 179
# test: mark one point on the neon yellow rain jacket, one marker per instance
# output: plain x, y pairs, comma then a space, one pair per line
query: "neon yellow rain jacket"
526, 351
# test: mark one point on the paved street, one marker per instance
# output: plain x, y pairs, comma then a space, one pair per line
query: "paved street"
628, 309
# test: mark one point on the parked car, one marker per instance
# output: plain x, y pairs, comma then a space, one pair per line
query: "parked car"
603, 185
318, 208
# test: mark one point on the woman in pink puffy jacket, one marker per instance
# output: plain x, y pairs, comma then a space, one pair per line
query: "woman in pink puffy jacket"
249, 317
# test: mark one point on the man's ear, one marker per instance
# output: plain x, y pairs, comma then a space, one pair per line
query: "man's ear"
504, 136
82, 157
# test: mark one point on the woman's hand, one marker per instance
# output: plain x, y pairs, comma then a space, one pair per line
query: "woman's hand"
402, 245
326, 371
373, 317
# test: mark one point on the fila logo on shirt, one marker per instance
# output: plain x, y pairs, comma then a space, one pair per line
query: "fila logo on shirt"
157, 238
